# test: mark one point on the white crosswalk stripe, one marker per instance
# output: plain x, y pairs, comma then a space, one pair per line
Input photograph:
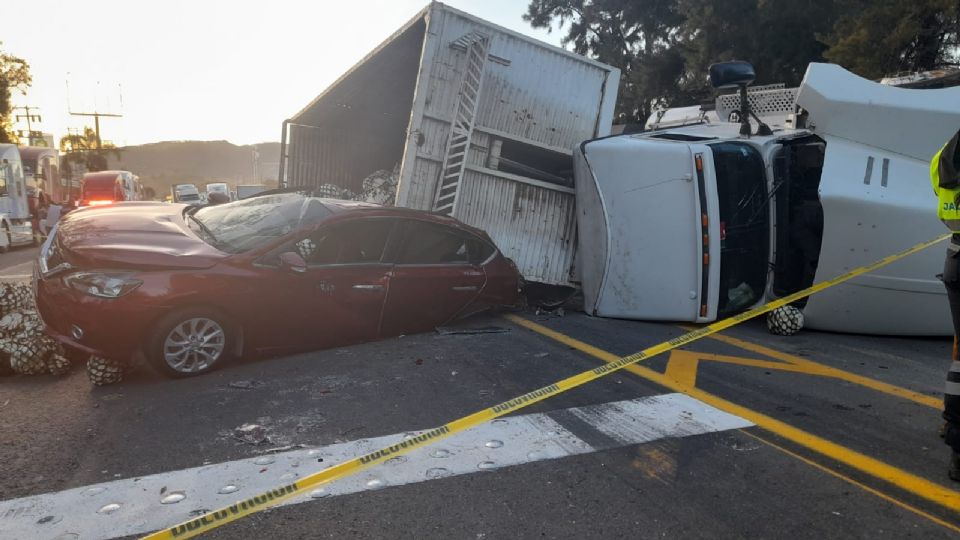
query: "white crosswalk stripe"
137, 505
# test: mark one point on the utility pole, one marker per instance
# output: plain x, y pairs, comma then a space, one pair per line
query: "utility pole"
30, 118
96, 122
95, 114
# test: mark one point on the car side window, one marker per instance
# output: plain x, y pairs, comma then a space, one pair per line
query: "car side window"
432, 243
357, 242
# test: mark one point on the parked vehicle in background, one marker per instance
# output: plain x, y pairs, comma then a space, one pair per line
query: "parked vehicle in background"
41, 170
696, 222
185, 193
107, 187
280, 272
250, 190
479, 124
218, 187
16, 226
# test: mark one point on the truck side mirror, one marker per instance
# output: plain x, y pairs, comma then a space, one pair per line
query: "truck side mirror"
731, 74
293, 262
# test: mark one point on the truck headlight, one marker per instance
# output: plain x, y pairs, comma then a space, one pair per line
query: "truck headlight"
102, 284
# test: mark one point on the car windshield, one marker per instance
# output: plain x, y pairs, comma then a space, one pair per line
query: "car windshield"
243, 225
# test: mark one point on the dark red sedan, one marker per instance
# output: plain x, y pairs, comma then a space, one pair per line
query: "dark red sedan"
277, 273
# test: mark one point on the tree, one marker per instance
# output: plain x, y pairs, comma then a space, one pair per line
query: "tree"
637, 36
882, 37
664, 47
779, 37
14, 75
88, 149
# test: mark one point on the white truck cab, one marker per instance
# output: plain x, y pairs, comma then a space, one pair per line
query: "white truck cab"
16, 227
698, 222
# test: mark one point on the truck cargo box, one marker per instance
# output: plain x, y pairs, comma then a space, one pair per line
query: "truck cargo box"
465, 118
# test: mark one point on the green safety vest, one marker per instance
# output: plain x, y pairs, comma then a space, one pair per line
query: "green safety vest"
945, 176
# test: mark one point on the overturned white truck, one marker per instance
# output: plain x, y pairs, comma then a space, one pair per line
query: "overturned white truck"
466, 118
695, 222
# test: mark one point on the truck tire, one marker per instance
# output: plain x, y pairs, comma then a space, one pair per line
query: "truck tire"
190, 342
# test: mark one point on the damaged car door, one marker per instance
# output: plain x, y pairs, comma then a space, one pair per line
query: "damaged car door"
438, 272
335, 282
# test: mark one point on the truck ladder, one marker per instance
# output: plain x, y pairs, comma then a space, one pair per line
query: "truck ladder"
461, 129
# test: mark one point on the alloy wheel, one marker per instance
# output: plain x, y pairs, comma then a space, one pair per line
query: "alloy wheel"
194, 345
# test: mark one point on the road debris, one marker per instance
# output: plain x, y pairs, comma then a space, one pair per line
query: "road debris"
103, 371
23, 344
251, 434
245, 385
468, 330
785, 321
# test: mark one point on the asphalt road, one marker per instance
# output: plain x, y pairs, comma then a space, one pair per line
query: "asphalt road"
839, 439
18, 262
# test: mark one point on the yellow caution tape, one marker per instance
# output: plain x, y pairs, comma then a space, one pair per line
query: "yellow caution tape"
246, 507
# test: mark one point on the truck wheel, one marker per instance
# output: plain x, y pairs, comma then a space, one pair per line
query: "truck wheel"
190, 342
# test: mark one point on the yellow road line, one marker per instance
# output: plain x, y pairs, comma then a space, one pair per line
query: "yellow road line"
682, 367
691, 359
257, 503
860, 485
835, 373
912, 483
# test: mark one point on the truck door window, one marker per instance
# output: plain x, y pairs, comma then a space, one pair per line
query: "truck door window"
4, 175
744, 224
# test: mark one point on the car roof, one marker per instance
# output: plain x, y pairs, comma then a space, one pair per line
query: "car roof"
347, 207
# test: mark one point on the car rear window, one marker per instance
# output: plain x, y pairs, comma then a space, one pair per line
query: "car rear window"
99, 186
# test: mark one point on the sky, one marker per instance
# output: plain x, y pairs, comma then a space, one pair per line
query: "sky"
203, 69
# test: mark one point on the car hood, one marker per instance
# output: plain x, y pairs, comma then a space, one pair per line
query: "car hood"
134, 235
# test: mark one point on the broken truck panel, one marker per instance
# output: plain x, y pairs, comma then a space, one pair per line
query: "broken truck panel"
481, 121
786, 210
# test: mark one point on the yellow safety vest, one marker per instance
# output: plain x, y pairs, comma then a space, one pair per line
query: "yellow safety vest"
948, 199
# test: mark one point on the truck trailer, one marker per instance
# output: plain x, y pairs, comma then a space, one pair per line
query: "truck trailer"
465, 118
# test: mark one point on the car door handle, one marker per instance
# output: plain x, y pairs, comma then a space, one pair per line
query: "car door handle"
368, 287
464, 288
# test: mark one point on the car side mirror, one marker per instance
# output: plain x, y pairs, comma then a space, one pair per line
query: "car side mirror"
293, 262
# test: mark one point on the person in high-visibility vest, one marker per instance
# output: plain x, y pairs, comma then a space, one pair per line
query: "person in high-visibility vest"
945, 175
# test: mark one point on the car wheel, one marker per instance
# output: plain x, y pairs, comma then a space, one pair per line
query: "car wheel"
189, 342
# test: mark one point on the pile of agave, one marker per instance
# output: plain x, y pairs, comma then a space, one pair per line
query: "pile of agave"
26, 349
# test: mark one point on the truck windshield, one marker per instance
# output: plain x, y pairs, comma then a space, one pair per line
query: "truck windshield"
744, 225
243, 225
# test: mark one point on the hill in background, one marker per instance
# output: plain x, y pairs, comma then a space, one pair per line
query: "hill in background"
160, 165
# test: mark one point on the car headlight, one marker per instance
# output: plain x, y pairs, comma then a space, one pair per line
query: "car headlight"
102, 284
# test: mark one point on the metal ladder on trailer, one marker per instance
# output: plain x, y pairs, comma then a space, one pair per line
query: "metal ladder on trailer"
477, 46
